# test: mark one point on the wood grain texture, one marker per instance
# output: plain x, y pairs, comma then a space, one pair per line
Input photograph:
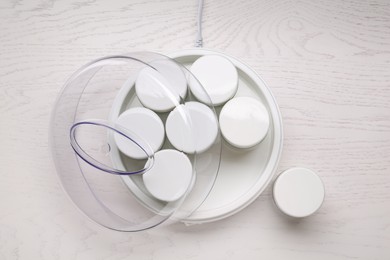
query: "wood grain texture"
327, 62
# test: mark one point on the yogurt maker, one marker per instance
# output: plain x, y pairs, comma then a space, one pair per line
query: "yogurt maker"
144, 139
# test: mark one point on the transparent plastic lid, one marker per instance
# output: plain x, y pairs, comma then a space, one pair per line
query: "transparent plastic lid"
132, 146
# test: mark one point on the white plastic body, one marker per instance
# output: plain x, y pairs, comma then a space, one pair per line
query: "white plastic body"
243, 175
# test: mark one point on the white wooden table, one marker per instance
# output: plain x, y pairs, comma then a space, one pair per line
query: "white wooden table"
327, 62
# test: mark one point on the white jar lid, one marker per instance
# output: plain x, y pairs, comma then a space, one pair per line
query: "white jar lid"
160, 88
144, 123
244, 122
192, 127
218, 77
170, 177
298, 192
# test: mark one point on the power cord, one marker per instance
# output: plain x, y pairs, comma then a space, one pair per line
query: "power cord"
199, 38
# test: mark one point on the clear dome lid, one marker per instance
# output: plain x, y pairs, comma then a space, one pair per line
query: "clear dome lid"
132, 146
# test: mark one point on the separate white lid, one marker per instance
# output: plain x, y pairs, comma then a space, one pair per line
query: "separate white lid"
143, 122
201, 120
161, 86
218, 76
298, 192
175, 181
244, 122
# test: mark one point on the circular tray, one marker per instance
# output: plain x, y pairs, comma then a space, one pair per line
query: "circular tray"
243, 173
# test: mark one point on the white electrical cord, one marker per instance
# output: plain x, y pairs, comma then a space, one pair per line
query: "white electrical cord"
199, 38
